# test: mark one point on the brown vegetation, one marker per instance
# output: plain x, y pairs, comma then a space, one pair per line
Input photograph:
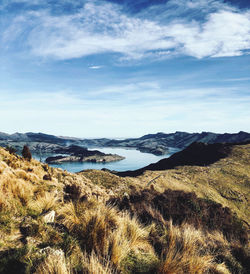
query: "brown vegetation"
107, 224
182, 207
26, 153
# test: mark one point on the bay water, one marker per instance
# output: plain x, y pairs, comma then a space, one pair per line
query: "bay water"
134, 159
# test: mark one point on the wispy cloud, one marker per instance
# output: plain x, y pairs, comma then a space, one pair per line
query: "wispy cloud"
101, 27
237, 79
160, 109
95, 67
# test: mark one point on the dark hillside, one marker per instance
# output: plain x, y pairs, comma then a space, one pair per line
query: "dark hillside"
199, 154
183, 139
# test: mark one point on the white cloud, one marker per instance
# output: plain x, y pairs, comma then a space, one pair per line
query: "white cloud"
104, 28
95, 67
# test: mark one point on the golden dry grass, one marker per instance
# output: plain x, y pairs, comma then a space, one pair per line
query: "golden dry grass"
114, 184
188, 250
93, 237
44, 202
24, 191
101, 229
54, 263
93, 264
22, 183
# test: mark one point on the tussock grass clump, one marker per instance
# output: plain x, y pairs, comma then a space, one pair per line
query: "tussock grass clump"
186, 251
95, 264
20, 173
102, 230
15, 192
54, 262
44, 202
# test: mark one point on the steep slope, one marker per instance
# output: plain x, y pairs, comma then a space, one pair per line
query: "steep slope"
51, 222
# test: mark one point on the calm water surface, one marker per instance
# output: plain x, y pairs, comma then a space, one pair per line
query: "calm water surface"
134, 160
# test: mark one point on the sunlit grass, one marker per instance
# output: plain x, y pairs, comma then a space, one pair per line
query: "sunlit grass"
90, 236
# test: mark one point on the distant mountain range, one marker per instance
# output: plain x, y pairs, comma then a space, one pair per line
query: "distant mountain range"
152, 143
35, 137
158, 143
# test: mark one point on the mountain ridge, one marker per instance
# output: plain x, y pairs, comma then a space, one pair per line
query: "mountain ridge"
151, 143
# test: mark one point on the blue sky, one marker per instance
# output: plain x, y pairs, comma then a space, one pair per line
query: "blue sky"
124, 68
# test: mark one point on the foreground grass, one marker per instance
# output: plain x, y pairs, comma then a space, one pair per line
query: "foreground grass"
89, 235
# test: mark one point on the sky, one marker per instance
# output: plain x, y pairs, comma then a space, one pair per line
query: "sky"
124, 68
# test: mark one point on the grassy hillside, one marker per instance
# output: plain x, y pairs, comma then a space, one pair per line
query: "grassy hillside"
52, 221
226, 181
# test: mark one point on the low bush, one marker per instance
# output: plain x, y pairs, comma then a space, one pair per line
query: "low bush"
26, 153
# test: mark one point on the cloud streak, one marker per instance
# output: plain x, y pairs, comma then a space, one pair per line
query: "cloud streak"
196, 107
95, 67
101, 27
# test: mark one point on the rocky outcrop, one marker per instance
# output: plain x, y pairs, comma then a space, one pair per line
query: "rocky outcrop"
49, 217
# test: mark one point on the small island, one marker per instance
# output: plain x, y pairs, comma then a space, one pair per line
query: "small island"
75, 153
